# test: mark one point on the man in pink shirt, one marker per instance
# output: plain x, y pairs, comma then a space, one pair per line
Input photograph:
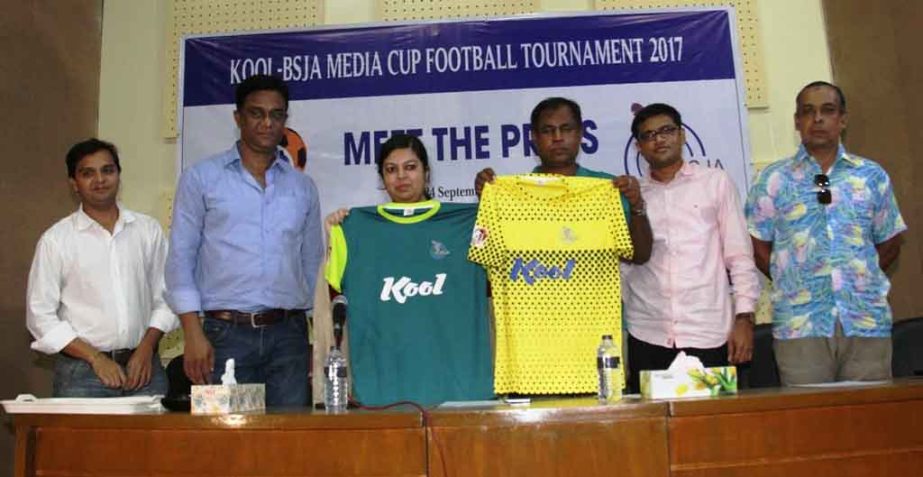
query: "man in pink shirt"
698, 291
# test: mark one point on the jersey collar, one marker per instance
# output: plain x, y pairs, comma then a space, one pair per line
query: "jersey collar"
432, 205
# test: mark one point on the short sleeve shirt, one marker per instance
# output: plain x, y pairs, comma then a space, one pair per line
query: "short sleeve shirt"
824, 264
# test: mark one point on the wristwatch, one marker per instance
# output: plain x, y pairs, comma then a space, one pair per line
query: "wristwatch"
640, 210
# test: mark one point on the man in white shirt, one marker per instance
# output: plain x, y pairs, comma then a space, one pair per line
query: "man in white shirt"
95, 294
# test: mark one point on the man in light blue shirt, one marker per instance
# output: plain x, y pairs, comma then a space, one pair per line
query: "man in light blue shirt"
244, 252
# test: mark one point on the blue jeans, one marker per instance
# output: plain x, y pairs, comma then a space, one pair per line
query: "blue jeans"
75, 378
276, 355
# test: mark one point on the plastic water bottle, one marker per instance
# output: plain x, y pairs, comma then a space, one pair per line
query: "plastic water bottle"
610, 371
335, 384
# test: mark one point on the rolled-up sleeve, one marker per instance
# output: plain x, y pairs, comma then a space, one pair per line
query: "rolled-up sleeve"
162, 317
43, 299
182, 293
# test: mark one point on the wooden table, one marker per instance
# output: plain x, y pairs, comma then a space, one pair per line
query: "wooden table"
573, 437
172, 444
866, 431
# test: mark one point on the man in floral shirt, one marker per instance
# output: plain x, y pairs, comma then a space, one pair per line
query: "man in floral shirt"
825, 224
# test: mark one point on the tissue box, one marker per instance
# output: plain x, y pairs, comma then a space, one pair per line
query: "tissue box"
228, 398
691, 383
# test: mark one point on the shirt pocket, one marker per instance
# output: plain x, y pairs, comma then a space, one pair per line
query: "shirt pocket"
708, 212
796, 208
694, 226
290, 213
861, 208
224, 206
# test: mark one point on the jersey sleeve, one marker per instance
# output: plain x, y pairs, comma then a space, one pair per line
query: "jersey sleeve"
621, 233
336, 262
486, 247
626, 208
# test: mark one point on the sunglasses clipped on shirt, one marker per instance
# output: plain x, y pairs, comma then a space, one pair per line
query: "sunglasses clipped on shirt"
823, 195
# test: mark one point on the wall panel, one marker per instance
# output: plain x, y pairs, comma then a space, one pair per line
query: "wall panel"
49, 88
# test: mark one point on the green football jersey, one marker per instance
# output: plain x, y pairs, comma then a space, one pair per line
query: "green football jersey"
418, 315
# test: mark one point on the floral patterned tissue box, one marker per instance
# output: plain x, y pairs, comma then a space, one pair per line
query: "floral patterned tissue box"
228, 398
689, 383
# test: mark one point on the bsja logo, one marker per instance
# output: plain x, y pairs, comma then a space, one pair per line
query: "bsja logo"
695, 152
404, 288
534, 270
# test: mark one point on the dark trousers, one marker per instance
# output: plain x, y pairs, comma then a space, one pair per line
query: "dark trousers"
643, 355
276, 355
75, 378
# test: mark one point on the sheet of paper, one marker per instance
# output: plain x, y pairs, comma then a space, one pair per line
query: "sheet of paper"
467, 404
29, 404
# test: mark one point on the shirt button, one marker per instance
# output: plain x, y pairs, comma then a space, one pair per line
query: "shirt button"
669, 341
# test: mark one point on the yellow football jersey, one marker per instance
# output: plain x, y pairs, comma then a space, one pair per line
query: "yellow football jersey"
551, 246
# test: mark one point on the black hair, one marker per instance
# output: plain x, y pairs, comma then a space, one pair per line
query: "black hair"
403, 141
651, 110
815, 84
260, 83
551, 104
85, 148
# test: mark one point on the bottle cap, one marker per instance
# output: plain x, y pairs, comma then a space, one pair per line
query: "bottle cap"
607, 337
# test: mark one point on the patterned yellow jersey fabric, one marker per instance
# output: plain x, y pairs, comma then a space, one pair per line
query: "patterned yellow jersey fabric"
551, 246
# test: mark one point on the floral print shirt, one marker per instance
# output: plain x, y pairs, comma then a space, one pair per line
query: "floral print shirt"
824, 264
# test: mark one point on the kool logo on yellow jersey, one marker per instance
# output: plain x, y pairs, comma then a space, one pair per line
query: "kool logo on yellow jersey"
401, 289
534, 270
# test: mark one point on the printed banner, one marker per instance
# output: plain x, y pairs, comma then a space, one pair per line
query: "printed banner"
467, 89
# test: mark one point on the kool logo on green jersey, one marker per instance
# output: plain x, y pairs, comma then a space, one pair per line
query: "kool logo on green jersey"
534, 270
403, 288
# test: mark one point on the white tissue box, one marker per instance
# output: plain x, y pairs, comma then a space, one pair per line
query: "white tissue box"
689, 383
228, 398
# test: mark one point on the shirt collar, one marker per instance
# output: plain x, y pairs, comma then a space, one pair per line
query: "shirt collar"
686, 170
84, 221
803, 157
232, 156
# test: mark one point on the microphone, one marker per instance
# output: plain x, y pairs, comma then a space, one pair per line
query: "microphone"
338, 306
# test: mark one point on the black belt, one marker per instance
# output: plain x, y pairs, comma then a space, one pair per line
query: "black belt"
257, 319
120, 356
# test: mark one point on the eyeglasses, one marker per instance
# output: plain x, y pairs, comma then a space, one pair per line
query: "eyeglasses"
823, 195
667, 131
